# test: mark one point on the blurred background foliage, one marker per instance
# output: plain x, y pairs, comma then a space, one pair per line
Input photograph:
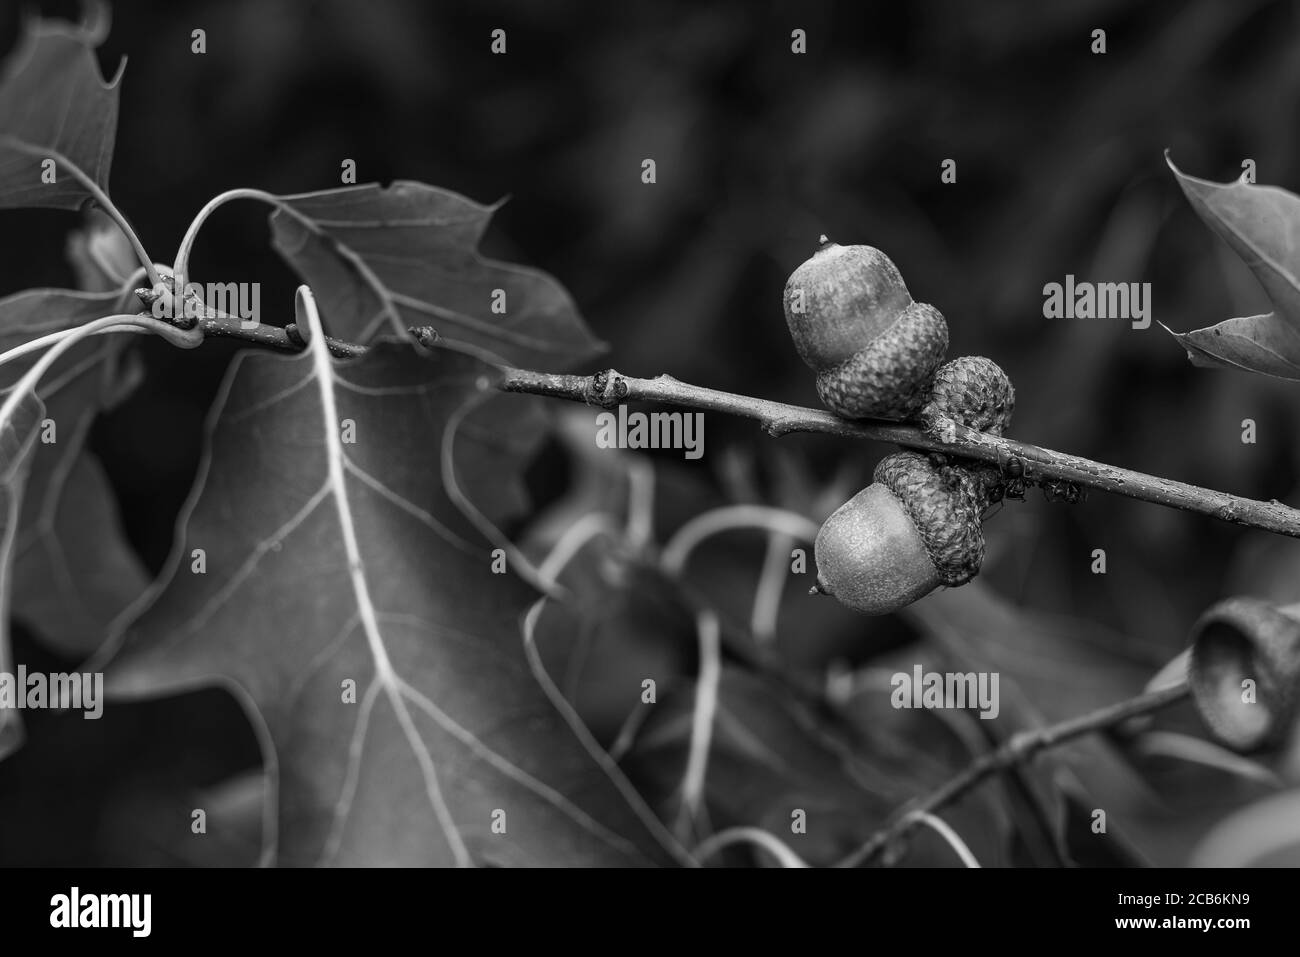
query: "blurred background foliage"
1060, 170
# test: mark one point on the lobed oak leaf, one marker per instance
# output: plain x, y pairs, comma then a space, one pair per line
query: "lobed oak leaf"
334, 558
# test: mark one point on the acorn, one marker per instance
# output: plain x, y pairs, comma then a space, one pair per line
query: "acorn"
854, 323
973, 391
1245, 672
916, 527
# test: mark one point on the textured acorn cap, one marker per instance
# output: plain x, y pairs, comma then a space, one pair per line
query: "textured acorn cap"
1240, 639
974, 391
945, 505
889, 378
850, 295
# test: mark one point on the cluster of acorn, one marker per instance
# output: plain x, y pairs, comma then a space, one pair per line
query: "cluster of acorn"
880, 355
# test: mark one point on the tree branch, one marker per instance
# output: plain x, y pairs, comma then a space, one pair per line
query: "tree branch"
287, 339
1016, 749
609, 388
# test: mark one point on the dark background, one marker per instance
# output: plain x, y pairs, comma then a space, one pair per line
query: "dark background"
1060, 170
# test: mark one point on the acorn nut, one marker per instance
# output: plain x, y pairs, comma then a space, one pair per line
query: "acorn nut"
916, 527
854, 323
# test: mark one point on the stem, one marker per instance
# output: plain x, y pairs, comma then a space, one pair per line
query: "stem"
749, 835
702, 717
765, 613
66, 340
1016, 749
573, 541
609, 388
945, 831
127, 323
181, 266
100, 197
729, 518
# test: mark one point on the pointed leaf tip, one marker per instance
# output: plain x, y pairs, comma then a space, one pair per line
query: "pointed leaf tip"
55, 104
384, 259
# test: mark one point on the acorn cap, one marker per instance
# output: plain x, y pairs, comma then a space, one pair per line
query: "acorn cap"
945, 505
974, 391
840, 298
889, 377
1244, 639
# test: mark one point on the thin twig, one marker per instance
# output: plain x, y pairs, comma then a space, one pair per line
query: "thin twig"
609, 388
273, 337
1017, 749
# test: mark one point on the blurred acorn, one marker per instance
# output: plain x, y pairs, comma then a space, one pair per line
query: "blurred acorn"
1243, 640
